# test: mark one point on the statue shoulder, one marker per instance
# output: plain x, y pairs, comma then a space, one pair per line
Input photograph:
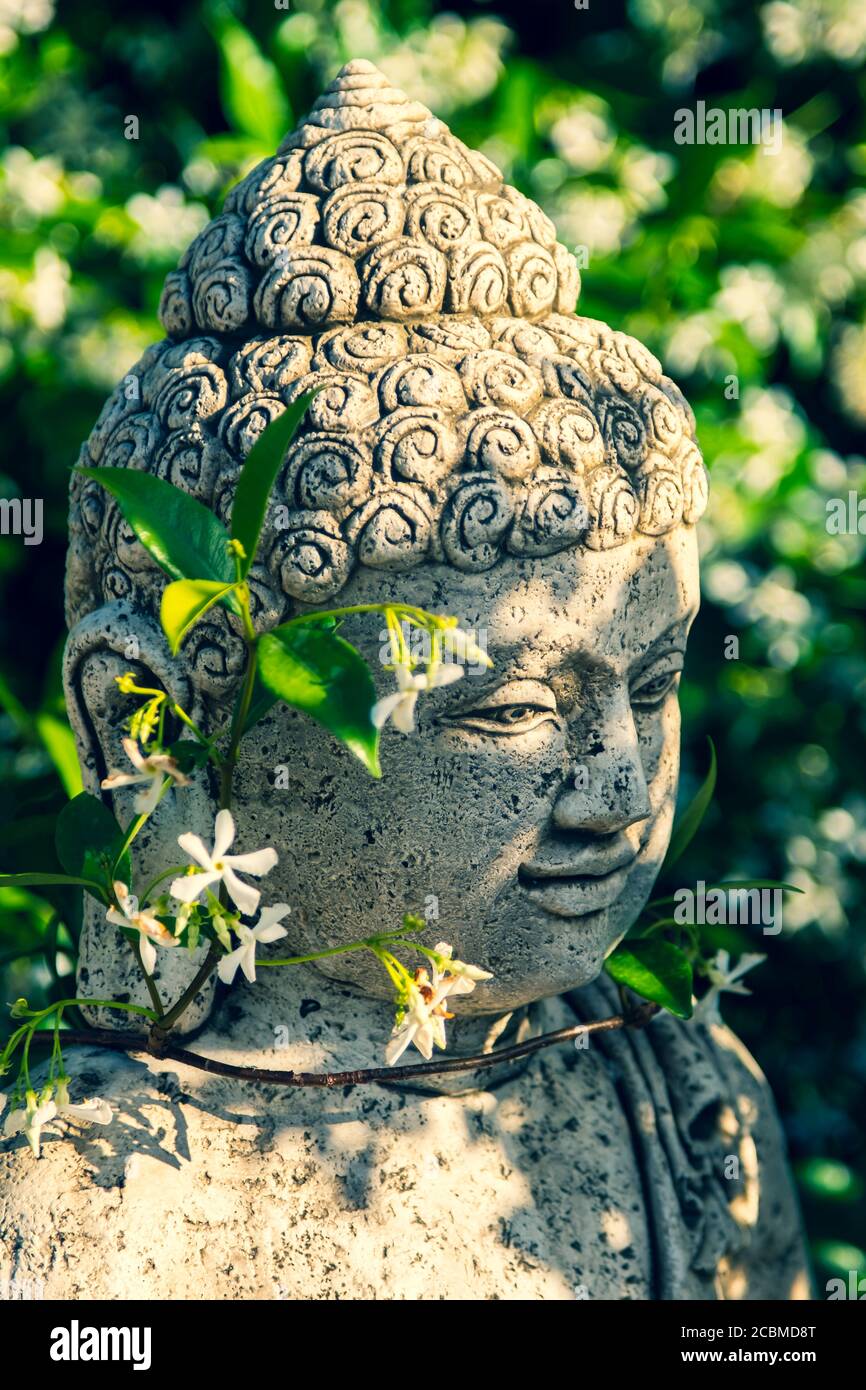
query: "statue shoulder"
774, 1262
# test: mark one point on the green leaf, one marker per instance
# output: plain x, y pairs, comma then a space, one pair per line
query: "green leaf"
88, 839
186, 601
250, 88
655, 970
644, 928
188, 754
59, 742
184, 538
756, 883
258, 476
687, 826
315, 671
27, 880
263, 700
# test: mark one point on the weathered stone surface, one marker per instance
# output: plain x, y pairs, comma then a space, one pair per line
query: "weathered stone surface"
544, 1187
483, 451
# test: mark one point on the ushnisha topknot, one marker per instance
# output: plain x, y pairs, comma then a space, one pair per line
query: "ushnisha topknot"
468, 412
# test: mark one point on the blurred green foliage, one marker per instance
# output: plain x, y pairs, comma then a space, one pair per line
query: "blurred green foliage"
745, 271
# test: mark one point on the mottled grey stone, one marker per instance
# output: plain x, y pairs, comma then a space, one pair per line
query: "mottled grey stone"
483, 451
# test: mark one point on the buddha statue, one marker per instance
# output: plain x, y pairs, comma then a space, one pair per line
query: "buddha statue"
478, 449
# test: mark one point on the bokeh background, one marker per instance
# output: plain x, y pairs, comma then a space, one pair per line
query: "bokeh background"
745, 272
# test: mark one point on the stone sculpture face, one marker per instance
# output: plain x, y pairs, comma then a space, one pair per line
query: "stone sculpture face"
534, 802
478, 450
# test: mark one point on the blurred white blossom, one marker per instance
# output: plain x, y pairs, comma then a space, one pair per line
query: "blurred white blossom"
30, 185
752, 296
692, 31
22, 17
101, 352
46, 294
165, 224
849, 370
796, 30
583, 138
593, 217
447, 63
778, 176
643, 174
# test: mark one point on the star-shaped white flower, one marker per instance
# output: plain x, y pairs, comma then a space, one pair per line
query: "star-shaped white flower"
94, 1111
463, 648
419, 1025
150, 927
400, 705
457, 977
31, 1120
151, 770
723, 980
266, 929
423, 1022
220, 867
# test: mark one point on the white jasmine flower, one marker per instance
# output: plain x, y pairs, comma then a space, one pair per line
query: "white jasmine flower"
463, 648
151, 770
423, 1021
150, 927
456, 978
400, 706
723, 980
31, 1120
94, 1111
266, 929
419, 1024
182, 918
220, 867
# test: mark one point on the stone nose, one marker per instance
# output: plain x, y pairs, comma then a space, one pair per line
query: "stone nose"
605, 789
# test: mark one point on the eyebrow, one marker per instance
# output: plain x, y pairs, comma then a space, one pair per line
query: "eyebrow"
675, 633
506, 655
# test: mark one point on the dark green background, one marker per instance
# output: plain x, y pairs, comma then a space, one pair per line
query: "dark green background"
725, 261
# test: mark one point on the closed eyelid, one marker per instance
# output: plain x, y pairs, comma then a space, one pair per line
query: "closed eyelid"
521, 692
672, 642
673, 656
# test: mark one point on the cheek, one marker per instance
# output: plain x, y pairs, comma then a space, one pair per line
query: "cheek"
446, 803
500, 783
658, 734
450, 813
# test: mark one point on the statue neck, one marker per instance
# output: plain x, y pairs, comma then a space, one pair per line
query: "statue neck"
297, 1018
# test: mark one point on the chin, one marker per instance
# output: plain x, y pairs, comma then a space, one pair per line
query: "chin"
535, 954
538, 959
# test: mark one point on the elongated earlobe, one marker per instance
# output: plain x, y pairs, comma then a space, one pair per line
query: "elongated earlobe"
108, 643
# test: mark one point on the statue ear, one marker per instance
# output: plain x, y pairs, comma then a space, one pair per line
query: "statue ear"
109, 642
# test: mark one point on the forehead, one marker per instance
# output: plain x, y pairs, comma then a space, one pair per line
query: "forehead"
608, 601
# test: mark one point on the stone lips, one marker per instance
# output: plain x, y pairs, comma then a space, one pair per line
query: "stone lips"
465, 416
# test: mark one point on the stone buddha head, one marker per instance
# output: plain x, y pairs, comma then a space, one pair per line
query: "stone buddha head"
477, 449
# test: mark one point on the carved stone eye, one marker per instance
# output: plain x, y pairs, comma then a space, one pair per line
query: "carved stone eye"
511, 714
653, 691
507, 719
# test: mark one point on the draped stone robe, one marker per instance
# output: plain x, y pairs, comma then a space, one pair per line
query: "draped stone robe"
647, 1165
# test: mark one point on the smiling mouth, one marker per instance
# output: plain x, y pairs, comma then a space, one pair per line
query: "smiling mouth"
574, 895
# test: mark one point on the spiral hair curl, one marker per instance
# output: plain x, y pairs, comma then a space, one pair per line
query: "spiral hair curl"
467, 414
